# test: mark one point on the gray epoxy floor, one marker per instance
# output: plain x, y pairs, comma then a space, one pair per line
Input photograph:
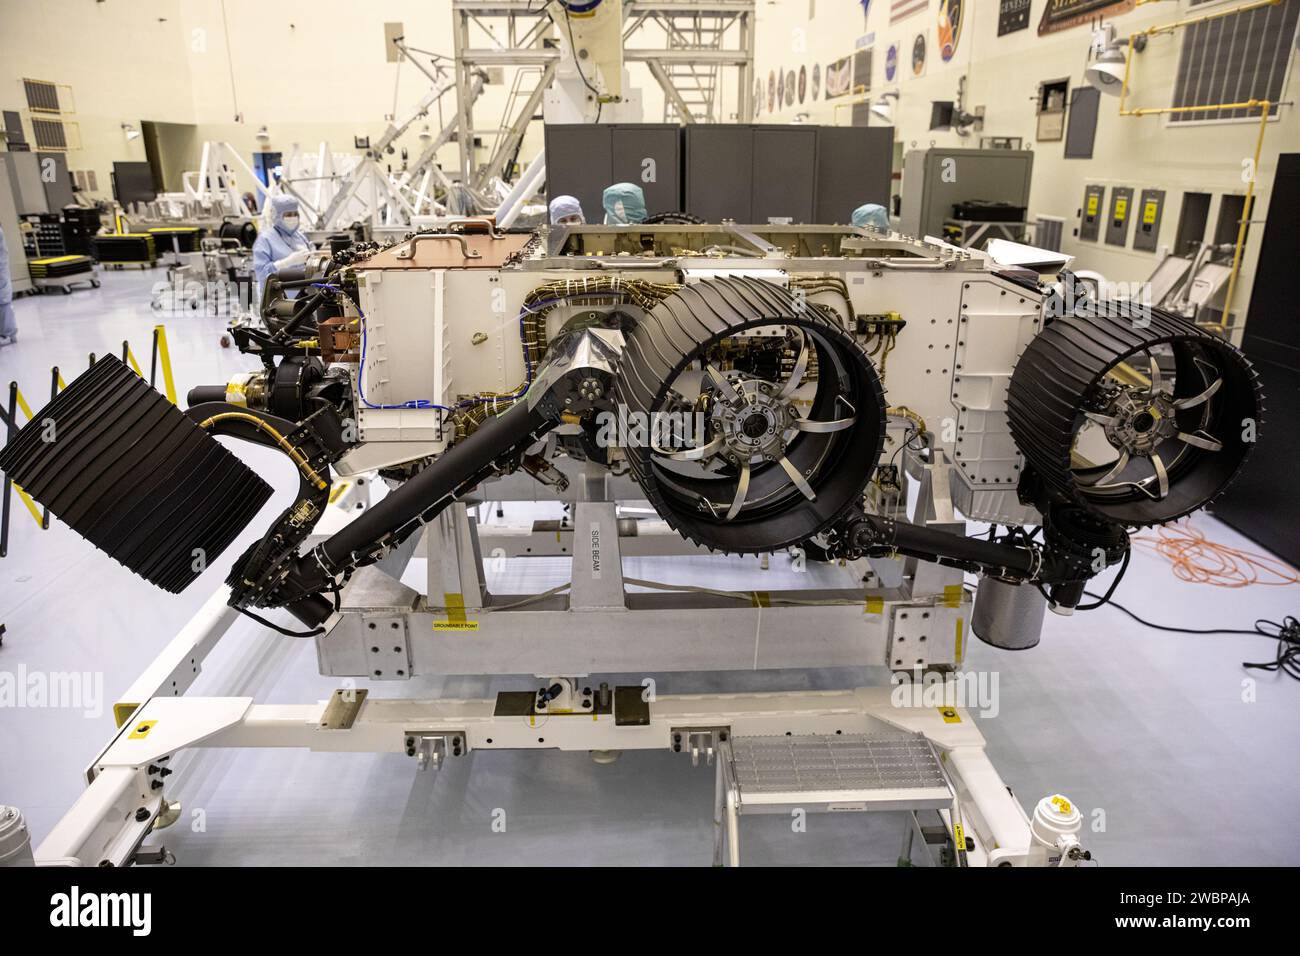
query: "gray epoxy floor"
1149, 727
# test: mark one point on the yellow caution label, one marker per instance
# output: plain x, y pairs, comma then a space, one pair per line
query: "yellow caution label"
1149, 211
959, 832
950, 715
142, 730
952, 594
338, 490
1121, 207
875, 605
961, 636
122, 712
1092, 204
456, 619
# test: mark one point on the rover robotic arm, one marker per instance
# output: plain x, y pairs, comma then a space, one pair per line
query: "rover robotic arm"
785, 419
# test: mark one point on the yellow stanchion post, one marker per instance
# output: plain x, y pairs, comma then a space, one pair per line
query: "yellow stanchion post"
165, 359
31, 506
27, 499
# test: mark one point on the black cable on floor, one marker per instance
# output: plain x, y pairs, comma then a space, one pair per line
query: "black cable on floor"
1287, 635
1288, 647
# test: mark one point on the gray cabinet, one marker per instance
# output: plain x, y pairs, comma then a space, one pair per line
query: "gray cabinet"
854, 167
934, 179
720, 172
581, 160
745, 172
809, 174
785, 173
17, 264
25, 183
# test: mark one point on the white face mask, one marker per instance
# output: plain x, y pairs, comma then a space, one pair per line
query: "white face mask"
290, 221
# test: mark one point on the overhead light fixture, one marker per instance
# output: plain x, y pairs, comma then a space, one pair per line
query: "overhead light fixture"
883, 108
1108, 61
130, 131
425, 135
263, 135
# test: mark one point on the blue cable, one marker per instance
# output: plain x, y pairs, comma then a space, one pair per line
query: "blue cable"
413, 403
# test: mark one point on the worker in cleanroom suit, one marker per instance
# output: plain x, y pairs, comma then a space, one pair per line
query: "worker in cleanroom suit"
282, 246
8, 321
872, 214
624, 203
566, 211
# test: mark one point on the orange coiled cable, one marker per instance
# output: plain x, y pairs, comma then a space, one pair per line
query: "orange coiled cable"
1197, 559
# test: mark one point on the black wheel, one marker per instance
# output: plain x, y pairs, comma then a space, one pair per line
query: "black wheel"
672, 219
136, 477
1133, 413
779, 453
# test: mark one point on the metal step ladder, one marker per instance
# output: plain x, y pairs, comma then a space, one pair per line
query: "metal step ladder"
825, 773
696, 83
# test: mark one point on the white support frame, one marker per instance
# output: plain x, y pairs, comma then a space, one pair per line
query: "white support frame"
107, 824
126, 789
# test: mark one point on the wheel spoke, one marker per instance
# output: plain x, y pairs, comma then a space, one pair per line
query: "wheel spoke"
689, 454
729, 394
799, 481
797, 373
1157, 382
1200, 439
1162, 475
1200, 399
1120, 464
833, 425
742, 489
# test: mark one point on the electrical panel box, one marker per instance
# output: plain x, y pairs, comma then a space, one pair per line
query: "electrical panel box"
935, 179
1094, 198
1121, 210
1150, 208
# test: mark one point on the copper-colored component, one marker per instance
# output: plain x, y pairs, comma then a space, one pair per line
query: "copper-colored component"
340, 340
